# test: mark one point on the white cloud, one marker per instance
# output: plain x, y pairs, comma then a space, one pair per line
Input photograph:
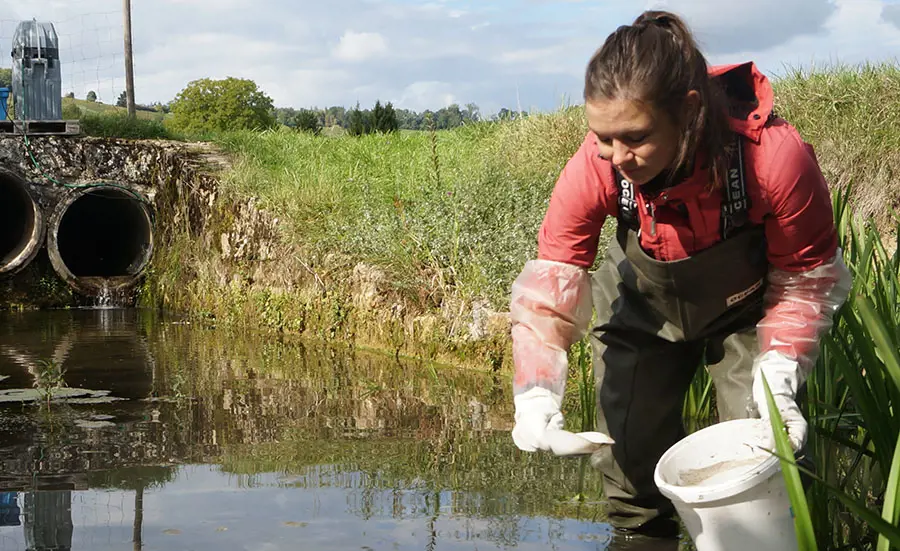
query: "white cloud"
433, 95
842, 41
355, 46
724, 27
891, 13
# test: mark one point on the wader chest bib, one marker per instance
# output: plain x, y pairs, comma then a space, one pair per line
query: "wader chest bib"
704, 293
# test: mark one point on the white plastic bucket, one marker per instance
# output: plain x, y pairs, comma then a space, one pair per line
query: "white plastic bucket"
729, 494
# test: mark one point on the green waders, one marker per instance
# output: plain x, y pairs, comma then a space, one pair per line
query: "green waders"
657, 322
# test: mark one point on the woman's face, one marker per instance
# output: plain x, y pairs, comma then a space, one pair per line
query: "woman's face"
637, 139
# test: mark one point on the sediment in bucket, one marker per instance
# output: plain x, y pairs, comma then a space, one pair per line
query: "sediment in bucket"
729, 493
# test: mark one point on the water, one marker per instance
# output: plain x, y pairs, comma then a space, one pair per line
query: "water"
193, 438
108, 296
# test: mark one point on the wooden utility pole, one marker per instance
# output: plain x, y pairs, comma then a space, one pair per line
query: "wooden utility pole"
129, 67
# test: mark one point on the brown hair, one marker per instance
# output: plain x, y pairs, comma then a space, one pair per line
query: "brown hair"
656, 60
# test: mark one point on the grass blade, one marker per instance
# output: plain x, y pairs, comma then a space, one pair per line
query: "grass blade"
867, 402
880, 336
890, 512
806, 538
881, 526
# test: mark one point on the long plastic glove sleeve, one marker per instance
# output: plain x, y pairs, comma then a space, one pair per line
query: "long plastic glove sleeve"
550, 309
799, 310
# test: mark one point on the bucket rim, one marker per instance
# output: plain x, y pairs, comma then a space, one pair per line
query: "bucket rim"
754, 476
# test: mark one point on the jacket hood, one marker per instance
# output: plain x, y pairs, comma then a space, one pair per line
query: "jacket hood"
750, 97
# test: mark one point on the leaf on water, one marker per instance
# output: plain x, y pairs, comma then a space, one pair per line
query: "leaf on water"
292, 524
172, 531
222, 529
97, 400
63, 394
85, 424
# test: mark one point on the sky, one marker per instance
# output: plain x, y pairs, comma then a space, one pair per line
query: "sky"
519, 54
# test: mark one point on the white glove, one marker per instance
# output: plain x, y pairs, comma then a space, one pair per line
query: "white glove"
783, 376
537, 411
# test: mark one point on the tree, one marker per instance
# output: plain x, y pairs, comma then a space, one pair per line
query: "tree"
471, 113
449, 117
207, 105
123, 100
358, 122
6, 78
307, 120
335, 116
384, 118
91, 96
285, 115
71, 95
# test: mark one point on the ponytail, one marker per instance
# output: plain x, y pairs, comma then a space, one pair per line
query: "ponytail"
656, 60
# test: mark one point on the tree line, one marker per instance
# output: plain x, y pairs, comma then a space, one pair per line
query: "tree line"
208, 105
350, 119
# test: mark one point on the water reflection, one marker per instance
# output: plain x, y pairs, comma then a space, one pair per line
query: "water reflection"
219, 440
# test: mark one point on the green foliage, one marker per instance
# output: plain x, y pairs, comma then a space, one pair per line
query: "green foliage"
855, 394
466, 228
359, 122
307, 121
91, 96
123, 100
207, 105
383, 118
445, 118
803, 525
698, 410
70, 111
5, 78
120, 125
50, 377
848, 113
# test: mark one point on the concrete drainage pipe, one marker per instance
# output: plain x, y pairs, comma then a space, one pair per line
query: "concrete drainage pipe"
21, 224
100, 238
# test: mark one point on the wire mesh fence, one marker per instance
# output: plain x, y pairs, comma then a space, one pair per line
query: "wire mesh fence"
91, 50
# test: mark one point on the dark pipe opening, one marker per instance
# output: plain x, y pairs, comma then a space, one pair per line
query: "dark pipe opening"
104, 233
17, 220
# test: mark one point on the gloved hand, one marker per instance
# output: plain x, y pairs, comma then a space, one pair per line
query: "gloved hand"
537, 411
783, 376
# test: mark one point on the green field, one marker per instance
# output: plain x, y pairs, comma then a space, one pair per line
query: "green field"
97, 108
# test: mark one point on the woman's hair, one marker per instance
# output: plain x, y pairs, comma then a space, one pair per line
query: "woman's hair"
655, 60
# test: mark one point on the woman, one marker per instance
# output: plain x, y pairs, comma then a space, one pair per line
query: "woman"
725, 254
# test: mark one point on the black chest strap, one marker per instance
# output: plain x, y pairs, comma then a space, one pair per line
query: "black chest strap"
735, 200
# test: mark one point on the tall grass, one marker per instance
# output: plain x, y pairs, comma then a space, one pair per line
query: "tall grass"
457, 210
855, 395
121, 126
850, 114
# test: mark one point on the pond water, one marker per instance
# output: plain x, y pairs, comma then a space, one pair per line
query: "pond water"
120, 429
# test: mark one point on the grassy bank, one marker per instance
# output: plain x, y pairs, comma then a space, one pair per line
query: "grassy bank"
450, 212
447, 219
110, 121
459, 210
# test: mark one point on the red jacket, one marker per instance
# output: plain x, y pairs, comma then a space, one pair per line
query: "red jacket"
787, 191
